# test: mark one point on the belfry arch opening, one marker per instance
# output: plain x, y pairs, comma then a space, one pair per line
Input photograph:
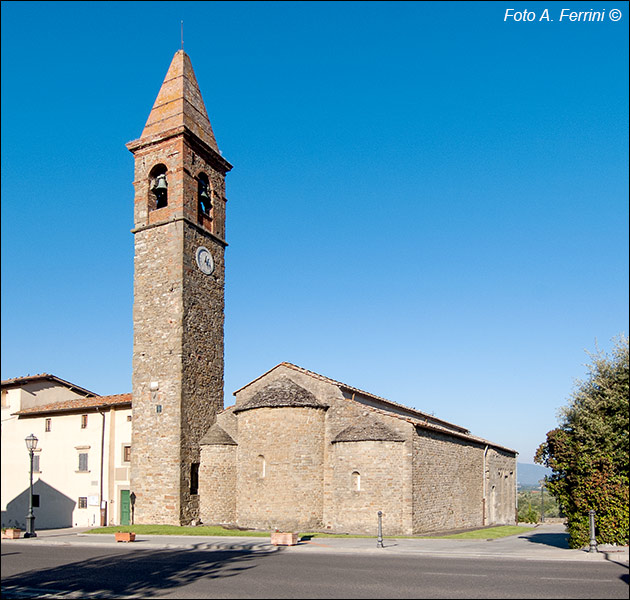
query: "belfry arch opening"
158, 186
204, 195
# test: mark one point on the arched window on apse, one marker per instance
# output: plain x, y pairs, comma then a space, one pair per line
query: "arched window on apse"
356, 481
262, 466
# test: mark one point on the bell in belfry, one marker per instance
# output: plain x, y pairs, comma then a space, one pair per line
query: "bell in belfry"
160, 190
205, 203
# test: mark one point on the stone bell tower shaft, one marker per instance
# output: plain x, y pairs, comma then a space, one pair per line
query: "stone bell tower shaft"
178, 313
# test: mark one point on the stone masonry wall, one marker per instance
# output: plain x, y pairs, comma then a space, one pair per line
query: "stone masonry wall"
368, 476
157, 316
448, 483
373, 460
379, 463
500, 488
280, 468
324, 392
217, 485
427, 481
178, 331
202, 353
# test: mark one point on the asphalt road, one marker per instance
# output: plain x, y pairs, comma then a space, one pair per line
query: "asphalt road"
126, 572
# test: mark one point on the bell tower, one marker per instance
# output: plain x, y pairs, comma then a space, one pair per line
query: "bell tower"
178, 311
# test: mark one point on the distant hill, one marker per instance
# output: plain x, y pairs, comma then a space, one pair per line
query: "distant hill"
528, 474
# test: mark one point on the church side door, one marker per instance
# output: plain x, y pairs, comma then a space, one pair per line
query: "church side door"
125, 507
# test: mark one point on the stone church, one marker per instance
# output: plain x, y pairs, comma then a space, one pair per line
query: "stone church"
297, 451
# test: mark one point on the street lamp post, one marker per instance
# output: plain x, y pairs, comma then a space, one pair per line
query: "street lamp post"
132, 499
31, 444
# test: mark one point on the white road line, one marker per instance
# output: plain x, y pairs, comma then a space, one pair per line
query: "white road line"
451, 573
574, 579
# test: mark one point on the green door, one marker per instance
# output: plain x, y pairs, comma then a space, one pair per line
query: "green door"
125, 507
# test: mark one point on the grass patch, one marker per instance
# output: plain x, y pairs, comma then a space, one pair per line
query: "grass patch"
176, 530
482, 534
209, 530
477, 534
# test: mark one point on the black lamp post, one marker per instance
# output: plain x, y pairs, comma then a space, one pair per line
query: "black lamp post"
31, 444
132, 499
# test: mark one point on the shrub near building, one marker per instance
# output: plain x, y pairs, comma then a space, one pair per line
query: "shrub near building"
588, 452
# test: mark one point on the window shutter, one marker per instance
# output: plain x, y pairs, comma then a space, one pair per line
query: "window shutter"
83, 462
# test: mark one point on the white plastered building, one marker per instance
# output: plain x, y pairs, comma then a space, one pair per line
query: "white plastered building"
81, 463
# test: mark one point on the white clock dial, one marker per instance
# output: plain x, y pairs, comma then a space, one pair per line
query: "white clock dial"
205, 262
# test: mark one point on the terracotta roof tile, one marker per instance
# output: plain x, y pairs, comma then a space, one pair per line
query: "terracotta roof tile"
78, 404
368, 431
348, 388
217, 436
281, 393
26, 378
18, 381
443, 430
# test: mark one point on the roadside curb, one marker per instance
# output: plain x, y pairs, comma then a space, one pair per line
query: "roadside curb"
308, 547
140, 544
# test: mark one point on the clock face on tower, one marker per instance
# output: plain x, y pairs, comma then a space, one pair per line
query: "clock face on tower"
205, 262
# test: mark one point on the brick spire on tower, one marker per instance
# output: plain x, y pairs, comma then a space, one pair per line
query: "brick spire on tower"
179, 104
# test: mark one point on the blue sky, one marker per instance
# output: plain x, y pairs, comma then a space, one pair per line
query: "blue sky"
427, 202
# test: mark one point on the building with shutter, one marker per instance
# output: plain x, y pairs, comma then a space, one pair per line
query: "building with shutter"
81, 462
